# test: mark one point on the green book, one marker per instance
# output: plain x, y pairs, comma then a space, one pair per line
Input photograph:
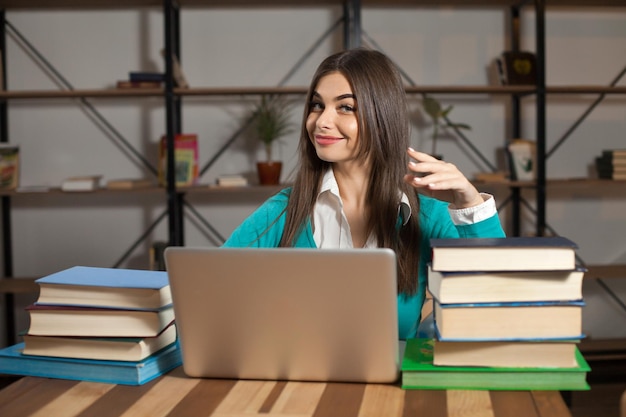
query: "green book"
418, 372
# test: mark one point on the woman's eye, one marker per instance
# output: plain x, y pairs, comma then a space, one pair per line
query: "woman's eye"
315, 106
346, 108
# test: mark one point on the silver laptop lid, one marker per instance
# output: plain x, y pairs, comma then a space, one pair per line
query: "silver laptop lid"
289, 314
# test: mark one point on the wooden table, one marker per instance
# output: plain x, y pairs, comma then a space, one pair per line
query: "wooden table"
179, 396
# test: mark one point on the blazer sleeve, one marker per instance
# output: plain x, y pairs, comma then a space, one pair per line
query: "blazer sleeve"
264, 227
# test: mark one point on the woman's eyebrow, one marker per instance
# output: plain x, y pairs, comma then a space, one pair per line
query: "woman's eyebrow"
344, 96
340, 97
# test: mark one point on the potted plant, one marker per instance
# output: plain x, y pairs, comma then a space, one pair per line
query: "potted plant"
439, 116
271, 123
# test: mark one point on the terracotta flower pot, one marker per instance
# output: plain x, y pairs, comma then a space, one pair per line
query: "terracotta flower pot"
269, 172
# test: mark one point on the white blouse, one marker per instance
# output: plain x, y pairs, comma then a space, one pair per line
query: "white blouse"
330, 225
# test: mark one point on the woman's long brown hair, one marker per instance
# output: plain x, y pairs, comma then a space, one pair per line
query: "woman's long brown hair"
384, 132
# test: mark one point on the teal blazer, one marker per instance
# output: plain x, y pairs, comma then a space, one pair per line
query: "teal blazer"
264, 228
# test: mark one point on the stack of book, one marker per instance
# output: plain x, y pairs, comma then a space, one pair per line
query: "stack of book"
142, 79
98, 324
508, 315
81, 183
612, 164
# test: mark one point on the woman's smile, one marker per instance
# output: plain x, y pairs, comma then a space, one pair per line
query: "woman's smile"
325, 140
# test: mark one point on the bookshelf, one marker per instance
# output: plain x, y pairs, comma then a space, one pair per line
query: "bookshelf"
172, 98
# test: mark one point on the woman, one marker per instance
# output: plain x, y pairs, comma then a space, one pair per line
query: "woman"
359, 184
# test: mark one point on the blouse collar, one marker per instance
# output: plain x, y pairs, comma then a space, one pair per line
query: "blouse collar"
329, 185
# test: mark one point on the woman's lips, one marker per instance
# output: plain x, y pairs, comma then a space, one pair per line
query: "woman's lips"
327, 140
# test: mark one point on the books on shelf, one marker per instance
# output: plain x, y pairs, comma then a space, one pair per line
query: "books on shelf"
614, 155
81, 183
86, 286
100, 348
611, 164
142, 79
9, 166
185, 156
146, 76
60, 320
612, 175
419, 372
14, 362
517, 68
508, 321
503, 254
507, 286
231, 181
520, 354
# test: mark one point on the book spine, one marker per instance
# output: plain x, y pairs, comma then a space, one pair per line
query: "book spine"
139, 76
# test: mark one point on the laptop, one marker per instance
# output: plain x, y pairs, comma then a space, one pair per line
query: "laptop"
286, 314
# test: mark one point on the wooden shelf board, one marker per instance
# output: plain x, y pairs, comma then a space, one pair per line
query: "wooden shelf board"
248, 189
298, 90
589, 183
606, 271
238, 91
210, 188
105, 92
585, 89
602, 346
112, 4
18, 286
201, 188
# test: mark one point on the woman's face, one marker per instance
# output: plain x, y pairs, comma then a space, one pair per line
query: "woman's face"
332, 122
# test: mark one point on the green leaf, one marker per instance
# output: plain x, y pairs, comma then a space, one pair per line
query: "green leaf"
444, 113
432, 107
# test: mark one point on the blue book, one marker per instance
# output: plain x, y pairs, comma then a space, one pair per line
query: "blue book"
504, 254
106, 287
138, 76
508, 321
14, 362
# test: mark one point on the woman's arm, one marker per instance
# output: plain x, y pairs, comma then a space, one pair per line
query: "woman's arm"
264, 227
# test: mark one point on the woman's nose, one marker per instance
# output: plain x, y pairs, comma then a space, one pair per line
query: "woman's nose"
325, 118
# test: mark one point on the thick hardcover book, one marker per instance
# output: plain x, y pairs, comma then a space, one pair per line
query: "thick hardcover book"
519, 67
185, 156
14, 362
495, 286
504, 254
519, 354
102, 348
140, 76
614, 154
611, 158
106, 287
508, 321
611, 167
46, 320
419, 372
9, 166
613, 175
82, 183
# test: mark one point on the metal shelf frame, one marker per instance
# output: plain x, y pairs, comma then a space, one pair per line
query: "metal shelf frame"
353, 36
